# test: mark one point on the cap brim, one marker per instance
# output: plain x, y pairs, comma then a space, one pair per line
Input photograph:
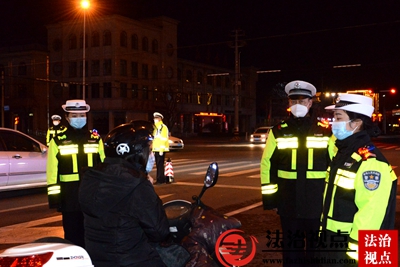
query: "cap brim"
64, 107
356, 108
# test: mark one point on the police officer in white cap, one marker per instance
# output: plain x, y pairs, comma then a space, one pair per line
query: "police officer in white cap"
293, 169
160, 146
55, 129
69, 154
360, 192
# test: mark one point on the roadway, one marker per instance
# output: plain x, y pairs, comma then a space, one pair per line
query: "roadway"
26, 217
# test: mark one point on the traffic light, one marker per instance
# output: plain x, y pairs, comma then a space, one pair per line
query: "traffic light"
16, 120
392, 90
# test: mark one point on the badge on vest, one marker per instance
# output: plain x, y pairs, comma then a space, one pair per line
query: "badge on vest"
371, 180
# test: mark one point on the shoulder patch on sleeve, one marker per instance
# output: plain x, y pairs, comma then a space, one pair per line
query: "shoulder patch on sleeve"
371, 180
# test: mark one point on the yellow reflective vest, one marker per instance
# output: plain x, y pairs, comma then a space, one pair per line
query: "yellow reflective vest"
293, 167
53, 131
161, 137
69, 154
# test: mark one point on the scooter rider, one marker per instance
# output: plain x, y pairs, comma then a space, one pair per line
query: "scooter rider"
123, 214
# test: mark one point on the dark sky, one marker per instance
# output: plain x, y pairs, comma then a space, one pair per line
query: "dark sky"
304, 39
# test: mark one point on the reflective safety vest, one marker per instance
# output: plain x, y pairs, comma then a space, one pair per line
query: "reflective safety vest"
293, 167
161, 138
53, 131
70, 153
357, 197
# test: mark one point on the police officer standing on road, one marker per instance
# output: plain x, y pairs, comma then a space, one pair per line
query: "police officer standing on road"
293, 169
160, 146
55, 129
360, 192
70, 153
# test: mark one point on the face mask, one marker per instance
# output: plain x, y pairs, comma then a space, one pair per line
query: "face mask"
339, 130
55, 123
77, 123
150, 162
299, 110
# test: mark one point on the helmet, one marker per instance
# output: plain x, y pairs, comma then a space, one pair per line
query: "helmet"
130, 141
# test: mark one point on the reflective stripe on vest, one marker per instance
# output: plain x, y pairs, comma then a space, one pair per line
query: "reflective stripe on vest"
268, 189
90, 149
283, 143
345, 179
315, 142
68, 149
69, 177
53, 189
309, 174
352, 251
334, 226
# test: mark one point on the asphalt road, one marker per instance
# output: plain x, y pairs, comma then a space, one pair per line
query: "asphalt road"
237, 193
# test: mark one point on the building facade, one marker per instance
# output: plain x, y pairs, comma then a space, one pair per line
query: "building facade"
129, 69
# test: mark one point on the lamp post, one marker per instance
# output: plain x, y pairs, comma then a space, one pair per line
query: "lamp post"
85, 4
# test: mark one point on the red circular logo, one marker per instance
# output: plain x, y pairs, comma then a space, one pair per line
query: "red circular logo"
234, 249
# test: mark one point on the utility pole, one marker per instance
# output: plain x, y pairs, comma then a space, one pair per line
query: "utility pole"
237, 79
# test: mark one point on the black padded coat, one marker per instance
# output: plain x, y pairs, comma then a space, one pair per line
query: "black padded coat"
123, 215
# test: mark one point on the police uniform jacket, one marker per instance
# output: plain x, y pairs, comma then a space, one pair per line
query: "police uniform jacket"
161, 137
360, 190
69, 154
293, 167
123, 215
53, 131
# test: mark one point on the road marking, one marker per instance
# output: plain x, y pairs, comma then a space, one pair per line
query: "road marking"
25, 207
221, 185
240, 172
221, 167
390, 147
255, 205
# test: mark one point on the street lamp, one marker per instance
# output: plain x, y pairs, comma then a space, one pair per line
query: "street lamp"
85, 4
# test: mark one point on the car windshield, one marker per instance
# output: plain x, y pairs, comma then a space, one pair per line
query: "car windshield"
262, 130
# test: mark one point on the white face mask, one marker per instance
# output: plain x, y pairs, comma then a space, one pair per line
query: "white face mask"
77, 123
299, 110
150, 162
339, 129
55, 123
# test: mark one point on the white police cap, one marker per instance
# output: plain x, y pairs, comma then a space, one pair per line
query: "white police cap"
355, 103
158, 115
300, 88
76, 106
56, 117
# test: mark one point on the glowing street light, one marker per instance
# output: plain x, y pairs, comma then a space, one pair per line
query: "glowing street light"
85, 4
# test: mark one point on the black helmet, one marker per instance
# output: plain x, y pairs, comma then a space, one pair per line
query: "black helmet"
130, 141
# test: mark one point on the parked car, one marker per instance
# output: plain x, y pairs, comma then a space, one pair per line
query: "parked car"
260, 135
22, 161
175, 143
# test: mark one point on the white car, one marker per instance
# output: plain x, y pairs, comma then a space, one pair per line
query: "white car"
22, 161
46, 253
260, 135
175, 143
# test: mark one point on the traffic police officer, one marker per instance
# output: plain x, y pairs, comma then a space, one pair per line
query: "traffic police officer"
360, 192
160, 146
69, 154
293, 168
55, 129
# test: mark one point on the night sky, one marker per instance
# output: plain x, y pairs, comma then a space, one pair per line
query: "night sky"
303, 39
